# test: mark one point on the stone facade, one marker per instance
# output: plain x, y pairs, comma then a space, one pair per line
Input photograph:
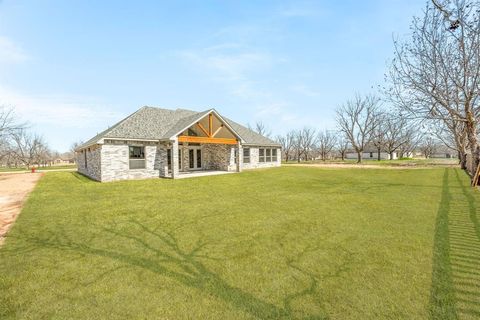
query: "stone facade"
255, 159
89, 162
110, 161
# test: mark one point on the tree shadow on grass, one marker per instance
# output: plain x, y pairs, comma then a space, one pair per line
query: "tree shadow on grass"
455, 290
160, 252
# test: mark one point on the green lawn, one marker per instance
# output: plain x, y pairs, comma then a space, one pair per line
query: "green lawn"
286, 243
8, 169
417, 162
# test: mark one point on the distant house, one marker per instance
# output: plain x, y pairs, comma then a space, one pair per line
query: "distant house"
371, 154
154, 142
63, 161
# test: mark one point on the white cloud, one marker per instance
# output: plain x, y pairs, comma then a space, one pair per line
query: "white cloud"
11, 52
57, 110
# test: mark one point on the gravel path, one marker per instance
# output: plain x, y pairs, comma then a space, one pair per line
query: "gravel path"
14, 189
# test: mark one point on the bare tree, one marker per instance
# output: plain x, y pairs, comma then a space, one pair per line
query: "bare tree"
304, 143
428, 147
28, 148
453, 135
358, 119
396, 133
326, 141
261, 129
436, 75
378, 134
288, 144
412, 140
342, 146
8, 122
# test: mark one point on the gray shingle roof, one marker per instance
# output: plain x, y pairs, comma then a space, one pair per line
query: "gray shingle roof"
157, 124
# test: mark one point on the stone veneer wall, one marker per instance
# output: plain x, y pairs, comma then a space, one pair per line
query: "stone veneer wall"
218, 157
110, 161
115, 161
254, 159
93, 167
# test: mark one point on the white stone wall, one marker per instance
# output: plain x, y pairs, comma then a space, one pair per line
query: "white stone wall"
115, 163
255, 160
110, 161
217, 157
92, 168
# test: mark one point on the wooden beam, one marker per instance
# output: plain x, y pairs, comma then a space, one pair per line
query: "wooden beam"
206, 140
203, 129
217, 131
210, 124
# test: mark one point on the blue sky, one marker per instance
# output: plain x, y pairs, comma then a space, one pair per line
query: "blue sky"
73, 68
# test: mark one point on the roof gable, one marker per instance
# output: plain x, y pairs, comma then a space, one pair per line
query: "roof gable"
150, 123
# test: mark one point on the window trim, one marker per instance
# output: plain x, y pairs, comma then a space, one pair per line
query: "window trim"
137, 160
246, 157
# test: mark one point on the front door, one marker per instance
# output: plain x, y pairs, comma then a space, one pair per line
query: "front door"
194, 158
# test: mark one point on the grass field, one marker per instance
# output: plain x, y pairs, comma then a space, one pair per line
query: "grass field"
439, 162
7, 169
286, 243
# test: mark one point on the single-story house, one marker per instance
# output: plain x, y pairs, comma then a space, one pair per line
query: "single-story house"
155, 142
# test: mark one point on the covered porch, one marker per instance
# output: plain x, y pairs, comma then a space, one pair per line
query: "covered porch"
207, 146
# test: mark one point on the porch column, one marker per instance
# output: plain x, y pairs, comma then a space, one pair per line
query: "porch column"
239, 157
175, 158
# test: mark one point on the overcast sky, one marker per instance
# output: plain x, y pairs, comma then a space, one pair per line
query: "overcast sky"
73, 68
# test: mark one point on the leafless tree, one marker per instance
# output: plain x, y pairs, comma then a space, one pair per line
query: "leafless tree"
288, 144
29, 149
326, 141
378, 135
428, 147
75, 145
453, 135
261, 129
396, 132
413, 138
8, 122
342, 146
304, 143
436, 75
358, 119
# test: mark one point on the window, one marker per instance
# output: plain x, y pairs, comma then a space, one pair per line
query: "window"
136, 157
85, 155
235, 154
267, 155
169, 159
246, 155
371, 154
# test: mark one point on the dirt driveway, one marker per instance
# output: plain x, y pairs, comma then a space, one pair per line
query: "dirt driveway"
14, 189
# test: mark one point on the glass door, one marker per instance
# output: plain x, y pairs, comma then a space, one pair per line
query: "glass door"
194, 158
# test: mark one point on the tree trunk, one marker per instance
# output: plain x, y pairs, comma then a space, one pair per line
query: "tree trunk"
378, 154
359, 157
462, 157
473, 141
391, 155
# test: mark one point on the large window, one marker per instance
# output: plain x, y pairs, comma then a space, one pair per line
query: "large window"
246, 155
267, 155
136, 157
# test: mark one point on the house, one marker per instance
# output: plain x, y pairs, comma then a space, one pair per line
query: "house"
155, 142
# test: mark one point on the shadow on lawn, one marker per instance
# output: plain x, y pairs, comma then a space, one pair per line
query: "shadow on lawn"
455, 291
161, 253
